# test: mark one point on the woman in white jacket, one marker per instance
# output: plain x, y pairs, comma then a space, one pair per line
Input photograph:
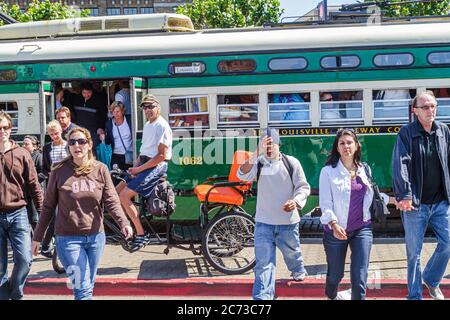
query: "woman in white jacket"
345, 196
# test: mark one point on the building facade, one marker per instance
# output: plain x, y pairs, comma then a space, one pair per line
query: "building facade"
116, 7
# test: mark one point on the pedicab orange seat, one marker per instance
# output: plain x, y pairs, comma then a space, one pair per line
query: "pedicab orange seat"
227, 194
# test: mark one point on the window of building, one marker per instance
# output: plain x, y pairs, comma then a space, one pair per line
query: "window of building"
392, 105
8, 75
188, 112
333, 62
341, 106
443, 100
143, 10
130, 11
93, 12
237, 109
393, 60
288, 64
187, 67
12, 109
113, 11
286, 108
439, 58
227, 66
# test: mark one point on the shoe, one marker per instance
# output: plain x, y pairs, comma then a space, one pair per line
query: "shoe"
435, 293
48, 253
139, 242
343, 295
299, 276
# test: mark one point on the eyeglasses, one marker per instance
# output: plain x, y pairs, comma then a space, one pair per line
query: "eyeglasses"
81, 142
5, 128
426, 108
148, 106
345, 130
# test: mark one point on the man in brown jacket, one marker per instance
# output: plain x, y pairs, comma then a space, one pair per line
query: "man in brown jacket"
17, 178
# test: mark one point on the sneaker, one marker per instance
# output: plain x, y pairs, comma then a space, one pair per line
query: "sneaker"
48, 253
139, 242
299, 276
343, 295
435, 293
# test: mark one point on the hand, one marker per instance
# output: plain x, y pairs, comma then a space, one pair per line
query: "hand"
405, 205
35, 248
127, 231
262, 147
289, 206
339, 232
134, 171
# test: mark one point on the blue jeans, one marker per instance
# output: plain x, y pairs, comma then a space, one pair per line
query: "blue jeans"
14, 226
360, 242
267, 238
415, 224
80, 256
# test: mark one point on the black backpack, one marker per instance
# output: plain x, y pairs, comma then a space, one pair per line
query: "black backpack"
161, 202
286, 163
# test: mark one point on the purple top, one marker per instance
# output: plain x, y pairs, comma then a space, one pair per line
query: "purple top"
355, 210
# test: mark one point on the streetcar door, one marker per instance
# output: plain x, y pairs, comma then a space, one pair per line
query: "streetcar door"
138, 88
46, 107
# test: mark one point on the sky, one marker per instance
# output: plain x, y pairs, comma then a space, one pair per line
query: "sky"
300, 7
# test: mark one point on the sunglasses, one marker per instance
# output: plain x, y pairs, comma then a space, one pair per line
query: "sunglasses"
426, 108
5, 128
148, 106
81, 142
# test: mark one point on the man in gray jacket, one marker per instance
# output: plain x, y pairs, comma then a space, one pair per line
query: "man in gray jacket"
282, 188
421, 180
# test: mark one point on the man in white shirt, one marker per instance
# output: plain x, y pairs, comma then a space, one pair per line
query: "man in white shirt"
155, 153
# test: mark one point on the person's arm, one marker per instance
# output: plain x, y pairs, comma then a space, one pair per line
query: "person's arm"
48, 208
302, 189
31, 178
46, 163
401, 161
326, 198
249, 169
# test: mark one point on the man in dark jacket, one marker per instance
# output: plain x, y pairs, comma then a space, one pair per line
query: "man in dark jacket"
422, 188
17, 177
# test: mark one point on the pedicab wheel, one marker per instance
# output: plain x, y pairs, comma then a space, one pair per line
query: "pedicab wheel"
56, 264
228, 242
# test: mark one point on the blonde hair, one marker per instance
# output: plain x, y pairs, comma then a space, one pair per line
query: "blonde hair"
54, 125
87, 167
117, 104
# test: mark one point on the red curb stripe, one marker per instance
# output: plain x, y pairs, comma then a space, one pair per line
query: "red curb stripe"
310, 288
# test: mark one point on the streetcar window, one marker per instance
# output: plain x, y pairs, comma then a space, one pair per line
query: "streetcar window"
333, 62
227, 66
443, 99
288, 64
286, 108
8, 75
439, 58
188, 112
187, 68
392, 105
393, 60
342, 106
12, 109
237, 109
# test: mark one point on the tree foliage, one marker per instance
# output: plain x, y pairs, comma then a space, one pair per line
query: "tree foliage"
421, 8
231, 13
42, 10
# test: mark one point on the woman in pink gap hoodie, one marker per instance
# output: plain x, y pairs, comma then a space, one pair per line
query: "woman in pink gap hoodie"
80, 187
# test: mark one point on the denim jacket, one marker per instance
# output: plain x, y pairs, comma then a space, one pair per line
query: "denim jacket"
334, 194
407, 161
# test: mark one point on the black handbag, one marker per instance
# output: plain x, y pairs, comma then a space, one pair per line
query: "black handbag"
378, 209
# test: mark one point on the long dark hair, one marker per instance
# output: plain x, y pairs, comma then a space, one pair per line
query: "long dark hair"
334, 156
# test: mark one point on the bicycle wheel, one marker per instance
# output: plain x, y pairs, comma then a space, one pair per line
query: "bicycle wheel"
56, 264
227, 243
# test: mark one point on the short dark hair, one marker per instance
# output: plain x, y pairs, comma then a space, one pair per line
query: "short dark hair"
87, 86
334, 156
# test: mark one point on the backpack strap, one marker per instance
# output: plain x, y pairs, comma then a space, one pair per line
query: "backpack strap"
286, 163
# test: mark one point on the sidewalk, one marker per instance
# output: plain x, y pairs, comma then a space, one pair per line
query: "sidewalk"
149, 272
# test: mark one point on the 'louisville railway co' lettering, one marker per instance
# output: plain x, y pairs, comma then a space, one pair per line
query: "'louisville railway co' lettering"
333, 130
